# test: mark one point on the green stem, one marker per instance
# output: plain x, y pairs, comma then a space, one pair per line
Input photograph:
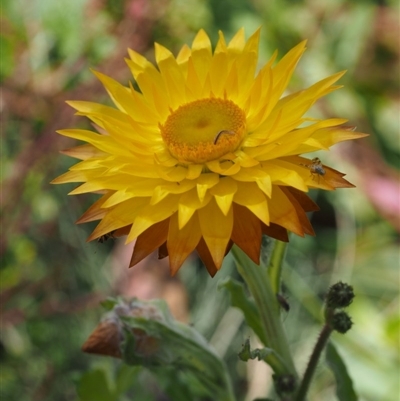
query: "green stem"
230, 396
275, 265
313, 362
260, 287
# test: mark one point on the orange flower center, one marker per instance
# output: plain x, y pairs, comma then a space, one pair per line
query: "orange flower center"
204, 130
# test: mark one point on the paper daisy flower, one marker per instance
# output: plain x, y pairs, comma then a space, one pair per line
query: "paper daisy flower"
205, 154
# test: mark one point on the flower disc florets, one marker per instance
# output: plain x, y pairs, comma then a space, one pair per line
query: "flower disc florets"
206, 154
204, 130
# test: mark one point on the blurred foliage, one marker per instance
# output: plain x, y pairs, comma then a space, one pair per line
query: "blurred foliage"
52, 281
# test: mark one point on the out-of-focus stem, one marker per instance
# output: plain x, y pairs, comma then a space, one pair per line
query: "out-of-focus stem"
260, 287
275, 265
313, 362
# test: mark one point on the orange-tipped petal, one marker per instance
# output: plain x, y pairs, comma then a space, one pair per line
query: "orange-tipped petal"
182, 242
206, 257
149, 241
275, 231
246, 232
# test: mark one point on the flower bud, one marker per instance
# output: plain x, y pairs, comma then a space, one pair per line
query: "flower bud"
341, 322
339, 295
284, 384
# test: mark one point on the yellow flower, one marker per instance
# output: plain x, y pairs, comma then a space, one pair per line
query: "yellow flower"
206, 153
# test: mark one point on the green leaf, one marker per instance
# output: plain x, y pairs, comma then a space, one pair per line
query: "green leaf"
125, 377
180, 386
275, 265
263, 399
109, 303
247, 353
94, 386
247, 306
344, 384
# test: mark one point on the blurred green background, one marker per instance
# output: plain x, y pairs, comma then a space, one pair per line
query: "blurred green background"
52, 280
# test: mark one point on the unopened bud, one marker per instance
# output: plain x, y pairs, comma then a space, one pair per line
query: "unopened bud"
339, 295
284, 384
341, 322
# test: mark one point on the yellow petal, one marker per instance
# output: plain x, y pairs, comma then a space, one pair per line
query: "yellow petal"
291, 142
204, 183
223, 168
247, 65
146, 75
285, 174
92, 164
102, 142
223, 193
188, 204
259, 95
163, 157
194, 87
183, 54
135, 186
258, 175
70, 176
201, 41
194, 171
96, 211
173, 78
137, 168
333, 135
116, 198
221, 44
294, 106
88, 108
119, 216
131, 102
173, 174
250, 196
162, 191
232, 82
152, 214
216, 230
238, 42
83, 152
217, 75
284, 68
245, 160
141, 144
201, 55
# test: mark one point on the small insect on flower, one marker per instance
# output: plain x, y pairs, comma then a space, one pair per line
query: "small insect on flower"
316, 168
106, 237
224, 131
283, 302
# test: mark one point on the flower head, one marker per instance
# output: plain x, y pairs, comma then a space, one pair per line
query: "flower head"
206, 153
